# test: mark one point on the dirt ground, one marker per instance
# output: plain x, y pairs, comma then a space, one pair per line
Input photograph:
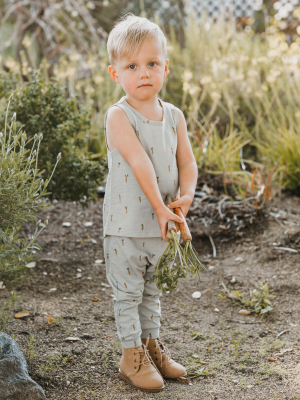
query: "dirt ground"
230, 354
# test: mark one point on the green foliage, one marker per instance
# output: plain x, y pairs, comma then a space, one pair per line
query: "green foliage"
44, 107
21, 196
8, 83
6, 309
260, 298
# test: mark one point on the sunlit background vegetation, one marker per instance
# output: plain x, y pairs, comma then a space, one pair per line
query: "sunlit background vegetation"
236, 78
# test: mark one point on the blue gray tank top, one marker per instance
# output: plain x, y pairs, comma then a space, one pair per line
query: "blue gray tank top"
126, 209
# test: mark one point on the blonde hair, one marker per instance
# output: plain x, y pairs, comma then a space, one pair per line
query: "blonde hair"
129, 33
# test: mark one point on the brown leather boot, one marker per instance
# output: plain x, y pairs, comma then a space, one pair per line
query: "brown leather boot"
162, 359
137, 368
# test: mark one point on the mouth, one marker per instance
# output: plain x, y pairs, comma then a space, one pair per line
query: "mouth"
144, 85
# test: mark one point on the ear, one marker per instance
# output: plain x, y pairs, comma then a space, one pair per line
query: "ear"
113, 73
166, 68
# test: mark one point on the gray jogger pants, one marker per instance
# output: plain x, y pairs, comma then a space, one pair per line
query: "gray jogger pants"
130, 262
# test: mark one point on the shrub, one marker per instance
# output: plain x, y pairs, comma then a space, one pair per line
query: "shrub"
45, 107
21, 196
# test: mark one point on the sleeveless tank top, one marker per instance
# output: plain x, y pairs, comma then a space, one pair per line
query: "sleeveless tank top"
126, 209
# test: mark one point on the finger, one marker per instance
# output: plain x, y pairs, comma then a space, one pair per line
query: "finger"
177, 219
163, 233
174, 204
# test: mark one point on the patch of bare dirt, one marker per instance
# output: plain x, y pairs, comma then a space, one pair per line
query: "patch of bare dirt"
230, 355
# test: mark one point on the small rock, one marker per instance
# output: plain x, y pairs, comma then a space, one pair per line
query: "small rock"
105, 285
31, 264
53, 289
211, 267
239, 259
1, 285
233, 280
68, 383
196, 295
78, 275
88, 224
15, 381
217, 310
66, 224
99, 261
72, 339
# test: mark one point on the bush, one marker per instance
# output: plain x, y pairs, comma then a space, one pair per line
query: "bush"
44, 107
21, 196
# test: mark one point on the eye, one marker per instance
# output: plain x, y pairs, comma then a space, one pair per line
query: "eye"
152, 62
131, 65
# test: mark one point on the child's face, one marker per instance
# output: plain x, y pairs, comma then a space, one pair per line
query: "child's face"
148, 67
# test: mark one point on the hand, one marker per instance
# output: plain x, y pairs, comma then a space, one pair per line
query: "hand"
163, 216
184, 202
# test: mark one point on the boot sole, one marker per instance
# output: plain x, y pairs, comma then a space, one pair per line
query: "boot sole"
144, 389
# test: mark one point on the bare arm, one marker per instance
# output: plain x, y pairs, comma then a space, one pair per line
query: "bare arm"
125, 140
187, 167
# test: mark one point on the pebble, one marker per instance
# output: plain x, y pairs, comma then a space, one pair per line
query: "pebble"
196, 295
66, 224
217, 310
31, 264
88, 224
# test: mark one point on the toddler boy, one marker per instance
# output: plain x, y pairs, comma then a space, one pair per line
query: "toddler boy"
149, 156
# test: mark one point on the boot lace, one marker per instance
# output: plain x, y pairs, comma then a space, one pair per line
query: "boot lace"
145, 359
163, 351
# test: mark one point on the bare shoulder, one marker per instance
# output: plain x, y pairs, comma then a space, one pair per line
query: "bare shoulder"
121, 136
116, 116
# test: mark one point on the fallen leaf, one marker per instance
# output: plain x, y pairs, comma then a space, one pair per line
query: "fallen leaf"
223, 227
206, 291
279, 355
22, 314
244, 312
287, 350
107, 335
42, 326
95, 299
50, 320
272, 359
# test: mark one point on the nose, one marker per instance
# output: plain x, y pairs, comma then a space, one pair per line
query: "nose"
144, 73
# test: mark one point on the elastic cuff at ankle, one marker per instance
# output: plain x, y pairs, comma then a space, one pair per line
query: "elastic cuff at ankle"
129, 344
153, 333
